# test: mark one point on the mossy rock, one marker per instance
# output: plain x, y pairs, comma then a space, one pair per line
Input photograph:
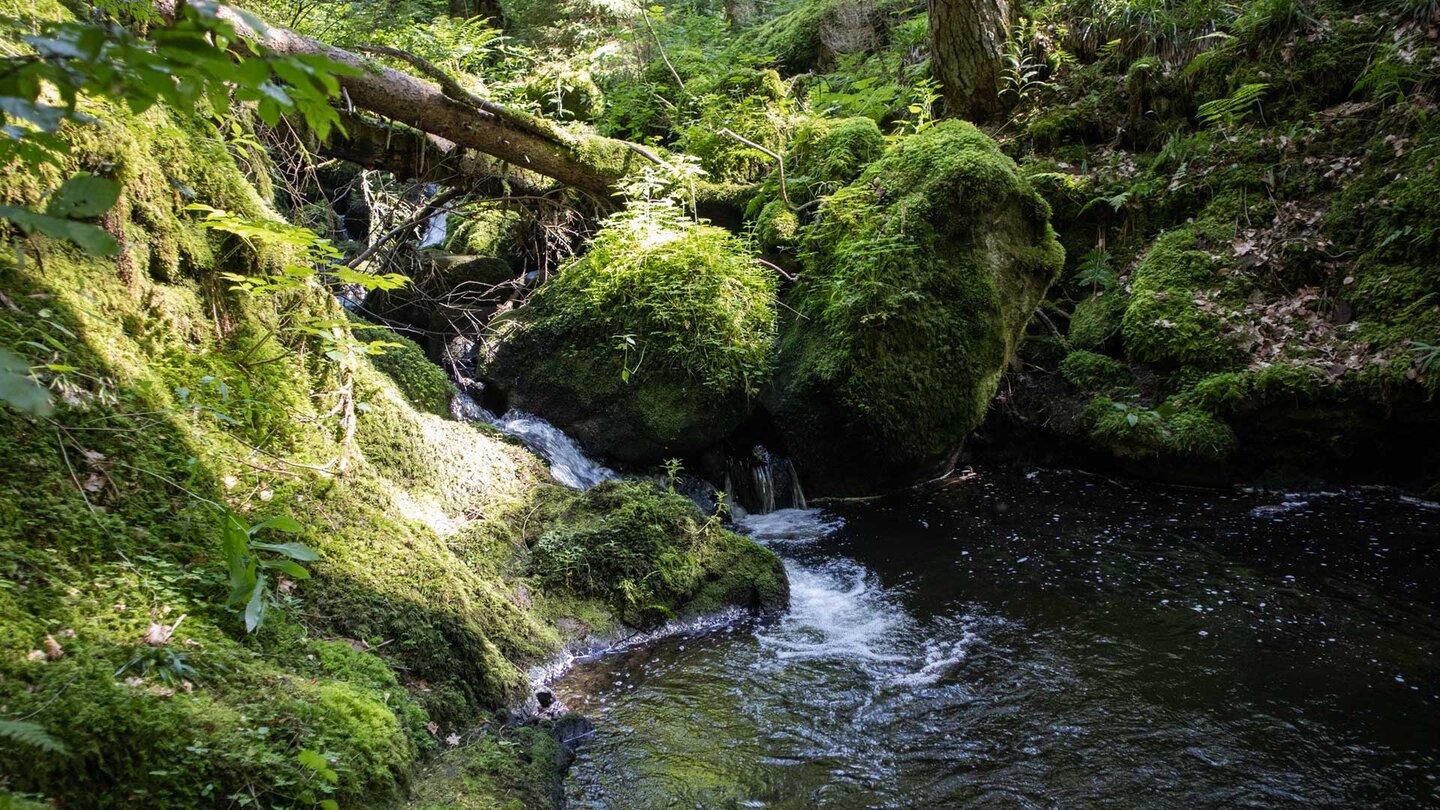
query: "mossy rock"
1089, 371
651, 345
1163, 324
1095, 323
1136, 432
920, 277
423, 383
652, 555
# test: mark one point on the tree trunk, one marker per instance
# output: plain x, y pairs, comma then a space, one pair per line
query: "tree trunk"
489, 9
739, 12
967, 51
587, 162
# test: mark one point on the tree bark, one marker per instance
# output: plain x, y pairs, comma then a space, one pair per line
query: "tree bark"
587, 162
967, 51
489, 9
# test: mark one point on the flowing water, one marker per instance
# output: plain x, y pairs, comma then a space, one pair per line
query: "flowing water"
1047, 640
568, 463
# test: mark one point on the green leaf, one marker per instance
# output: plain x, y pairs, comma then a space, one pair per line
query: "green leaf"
83, 196
91, 239
19, 390
31, 734
289, 568
280, 523
1132, 419
312, 760
295, 551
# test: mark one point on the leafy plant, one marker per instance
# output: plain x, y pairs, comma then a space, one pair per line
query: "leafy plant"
1096, 270
83, 196
30, 734
1232, 109
18, 387
1426, 355
250, 562
673, 468
322, 782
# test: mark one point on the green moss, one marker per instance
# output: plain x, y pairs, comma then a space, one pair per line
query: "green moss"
1163, 323
1220, 393
777, 225
649, 553
423, 383
752, 103
569, 93
514, 768
828, 151
1134, 431
484, 231
919, 279
650, 345
1089, 371
1097, 319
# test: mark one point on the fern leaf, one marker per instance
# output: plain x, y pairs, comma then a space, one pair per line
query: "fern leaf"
31, 734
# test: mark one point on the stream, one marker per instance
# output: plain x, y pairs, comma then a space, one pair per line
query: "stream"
1049, 639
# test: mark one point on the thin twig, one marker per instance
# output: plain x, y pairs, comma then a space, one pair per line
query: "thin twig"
779, 160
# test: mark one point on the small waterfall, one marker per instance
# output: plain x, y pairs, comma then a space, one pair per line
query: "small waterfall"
762, 482
568, 463
435, 225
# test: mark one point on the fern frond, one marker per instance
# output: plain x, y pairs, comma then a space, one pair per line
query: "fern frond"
31, 734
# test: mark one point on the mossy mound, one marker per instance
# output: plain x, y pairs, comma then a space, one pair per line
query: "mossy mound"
919, 279
609, 539
1163, 323
813, 33
423, 383
650, 345
1096, 320
1089, 371
752, 103
1136, 432
822, 156
567, 94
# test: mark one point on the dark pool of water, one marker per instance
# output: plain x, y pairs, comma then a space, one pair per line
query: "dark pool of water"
1048, 640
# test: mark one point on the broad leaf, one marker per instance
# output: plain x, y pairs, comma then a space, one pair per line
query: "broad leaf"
83, 196
295, 551
19, 390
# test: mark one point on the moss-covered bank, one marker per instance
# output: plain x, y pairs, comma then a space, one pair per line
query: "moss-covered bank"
177, 400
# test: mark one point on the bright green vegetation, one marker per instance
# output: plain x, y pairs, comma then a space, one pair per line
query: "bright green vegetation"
650, 345
178, 399
609, 539
920, 278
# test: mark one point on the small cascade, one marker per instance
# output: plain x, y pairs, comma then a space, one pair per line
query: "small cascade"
762, 482
568, 463
435, 225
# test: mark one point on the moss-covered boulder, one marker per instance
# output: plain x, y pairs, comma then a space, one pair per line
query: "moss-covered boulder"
652, 344
607, 542
1165, 322
919, 279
